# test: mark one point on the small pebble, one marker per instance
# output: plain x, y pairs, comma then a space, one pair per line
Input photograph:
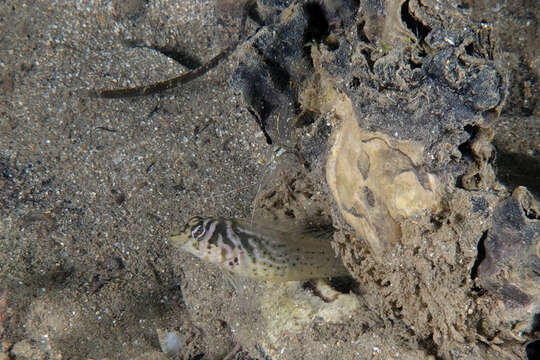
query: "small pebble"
170, 341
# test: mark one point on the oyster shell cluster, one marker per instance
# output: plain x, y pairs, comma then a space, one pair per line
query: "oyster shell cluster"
391, 110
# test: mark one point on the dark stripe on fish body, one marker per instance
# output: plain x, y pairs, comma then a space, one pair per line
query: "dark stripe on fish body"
208, 232
244, 241
215, 233
221, 229
226, 238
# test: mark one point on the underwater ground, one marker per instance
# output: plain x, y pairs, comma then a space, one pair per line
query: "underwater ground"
410, 126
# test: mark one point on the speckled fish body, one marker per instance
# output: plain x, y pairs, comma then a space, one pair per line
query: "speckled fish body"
260, 252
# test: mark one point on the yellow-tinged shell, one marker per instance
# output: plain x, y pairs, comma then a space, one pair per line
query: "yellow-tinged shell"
376, 180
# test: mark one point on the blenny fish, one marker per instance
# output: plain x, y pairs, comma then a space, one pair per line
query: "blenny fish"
258, 251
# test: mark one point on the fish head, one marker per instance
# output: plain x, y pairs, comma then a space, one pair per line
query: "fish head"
204, 237
191, 233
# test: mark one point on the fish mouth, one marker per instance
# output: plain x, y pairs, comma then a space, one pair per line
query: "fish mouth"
179, 239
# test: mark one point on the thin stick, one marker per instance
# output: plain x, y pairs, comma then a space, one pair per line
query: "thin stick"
179, 80
167, 84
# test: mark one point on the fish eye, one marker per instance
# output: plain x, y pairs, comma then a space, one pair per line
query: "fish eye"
197, 231
195, 221
191, 223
